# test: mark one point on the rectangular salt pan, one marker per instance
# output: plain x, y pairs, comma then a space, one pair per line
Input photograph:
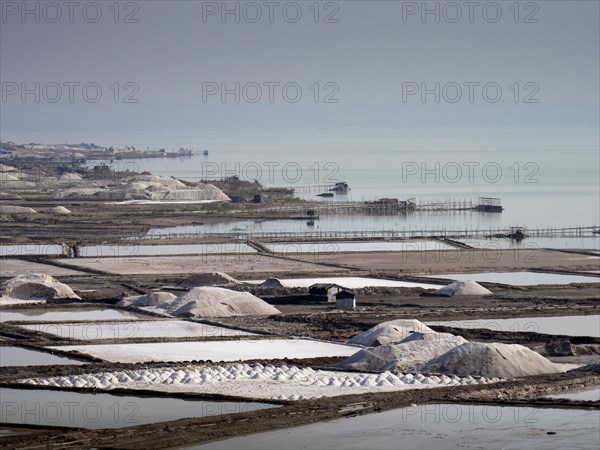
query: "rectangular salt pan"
241, 350
134, 329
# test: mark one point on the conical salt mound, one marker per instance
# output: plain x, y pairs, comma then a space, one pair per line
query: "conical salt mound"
36, 287
208, 279
416, 348
60, 210
390, 332
218, 302
151, 299
491, 360
462, 288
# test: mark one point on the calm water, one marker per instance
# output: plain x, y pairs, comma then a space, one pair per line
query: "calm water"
592, 394
567, 325
520, 278
63, 315
372, 246
95, 411
545, 177
18, 356
436, 426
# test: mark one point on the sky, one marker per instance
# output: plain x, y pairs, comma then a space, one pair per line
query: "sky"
163, 65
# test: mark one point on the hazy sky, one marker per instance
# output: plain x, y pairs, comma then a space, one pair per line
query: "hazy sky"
367, 55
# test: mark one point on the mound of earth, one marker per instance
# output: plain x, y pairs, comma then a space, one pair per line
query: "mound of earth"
151, 299
36, 287
60, 210
390, 332
217, 302
11, 209
416, 348
208, 279
461, 288
491, 360
271, 283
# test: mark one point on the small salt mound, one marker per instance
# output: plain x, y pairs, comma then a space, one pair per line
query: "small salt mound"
70, 177
152, 299
416, 348
462, 288
390, 332
271, 283
10, 209
36, 286
208, 279
5, 168
60, 210
218, 302
10, 196
5, 176
491, 360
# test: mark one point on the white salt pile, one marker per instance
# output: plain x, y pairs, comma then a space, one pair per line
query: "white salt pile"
151, 299
390, 332
462, 288
208, 279
70, 177
5, 168
255, 381
35, 287
11, 209
416, 348
61, 210
491, 360
211, 301
145, 187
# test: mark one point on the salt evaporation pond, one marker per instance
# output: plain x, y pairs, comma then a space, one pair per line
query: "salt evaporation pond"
125, 250
135, 329
30, 249
132, 249
65, 315
436, 426
531, 244
519, 278
238, 350
591, 395
97, 411
350, 282
19, 356
368, 246
565, 325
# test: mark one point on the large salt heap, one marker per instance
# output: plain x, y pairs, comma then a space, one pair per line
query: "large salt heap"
491, 360
416, 348
146, 187
393, 331
208, 279
35, 287
211, 301
461, 288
